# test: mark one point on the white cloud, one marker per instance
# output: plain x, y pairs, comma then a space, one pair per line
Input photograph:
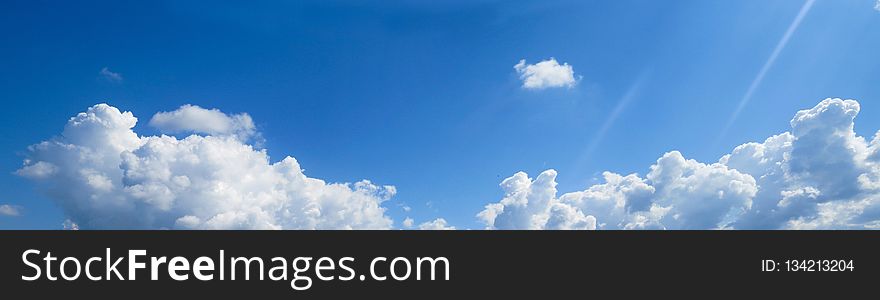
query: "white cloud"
69, 225
677, 193
10, 210
818, 175
194, 119
436, 224
37, 170
545, 74
877, 6
106, 176
408, 222
110, 75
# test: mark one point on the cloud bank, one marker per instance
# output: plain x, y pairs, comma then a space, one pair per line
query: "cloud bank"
104, 175
545, 74
819, 175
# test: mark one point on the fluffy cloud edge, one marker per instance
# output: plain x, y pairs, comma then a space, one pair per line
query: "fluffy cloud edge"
545, 74
104, 175
820, 175
9, 210
436, 224
190, 118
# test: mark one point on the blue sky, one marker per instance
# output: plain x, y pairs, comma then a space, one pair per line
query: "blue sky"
424, 96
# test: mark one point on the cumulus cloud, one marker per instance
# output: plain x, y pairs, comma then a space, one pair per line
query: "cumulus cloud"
110, 75
545, 74
408, 222
436, 224
819, 175
194, 119
69, 225
36, 170
104, 175
10, 210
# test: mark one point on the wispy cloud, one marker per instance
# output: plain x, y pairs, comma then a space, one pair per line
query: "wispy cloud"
877, 6
10, 210
110, 75
767, 65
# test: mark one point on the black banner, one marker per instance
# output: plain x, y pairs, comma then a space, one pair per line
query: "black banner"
513, 264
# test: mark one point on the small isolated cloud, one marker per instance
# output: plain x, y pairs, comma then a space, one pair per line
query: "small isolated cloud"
104, 175
877, 5
408, 222
69, 225
819, 175
545, 74
110, 75
10, 210
436, 224
194, 119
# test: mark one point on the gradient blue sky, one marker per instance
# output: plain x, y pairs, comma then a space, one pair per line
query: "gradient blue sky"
424, 96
